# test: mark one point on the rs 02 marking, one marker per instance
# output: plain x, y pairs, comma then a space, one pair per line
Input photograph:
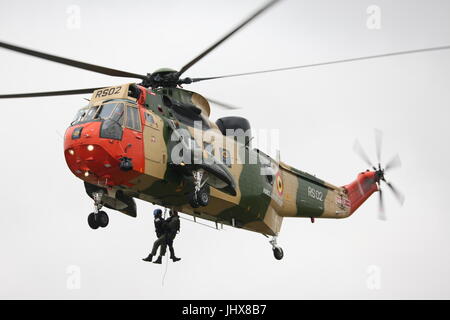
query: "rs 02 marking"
315, 194
107, 92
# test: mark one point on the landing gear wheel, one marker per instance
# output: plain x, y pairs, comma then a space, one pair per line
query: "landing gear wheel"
278, 253
199, 199
202, 197
92, 221
102, 219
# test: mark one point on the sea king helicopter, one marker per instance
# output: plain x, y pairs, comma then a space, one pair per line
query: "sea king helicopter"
139, 140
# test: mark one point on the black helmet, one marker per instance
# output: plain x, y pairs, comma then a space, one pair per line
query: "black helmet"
157, 212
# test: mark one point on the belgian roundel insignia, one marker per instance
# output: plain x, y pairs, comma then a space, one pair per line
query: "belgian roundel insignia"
279, 182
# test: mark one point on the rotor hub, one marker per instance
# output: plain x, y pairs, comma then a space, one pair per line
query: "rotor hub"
164, 77
379, 173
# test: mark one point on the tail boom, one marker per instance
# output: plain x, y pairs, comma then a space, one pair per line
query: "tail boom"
362, 188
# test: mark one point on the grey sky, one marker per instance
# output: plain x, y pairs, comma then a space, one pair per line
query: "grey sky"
319, 112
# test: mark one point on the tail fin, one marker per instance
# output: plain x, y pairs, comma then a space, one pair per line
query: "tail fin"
362, 188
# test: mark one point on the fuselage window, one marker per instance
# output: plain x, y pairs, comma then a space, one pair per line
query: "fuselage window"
269, 173
209, 148
226, 157
149, 118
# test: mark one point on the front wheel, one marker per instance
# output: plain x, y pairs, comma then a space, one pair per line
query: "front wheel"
92, 222
103, 219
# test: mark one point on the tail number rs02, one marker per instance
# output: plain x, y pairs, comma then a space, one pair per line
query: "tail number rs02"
315, 194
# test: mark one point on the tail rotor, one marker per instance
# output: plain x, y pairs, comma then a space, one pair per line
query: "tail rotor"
380, 171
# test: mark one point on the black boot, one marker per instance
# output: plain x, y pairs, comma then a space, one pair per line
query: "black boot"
158, 261
149, 258
175, 259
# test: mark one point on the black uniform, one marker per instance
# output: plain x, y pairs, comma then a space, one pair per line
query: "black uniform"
166, 230
159, 226
160, 229
172, 228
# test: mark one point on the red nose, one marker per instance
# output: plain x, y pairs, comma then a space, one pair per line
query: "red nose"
97, 160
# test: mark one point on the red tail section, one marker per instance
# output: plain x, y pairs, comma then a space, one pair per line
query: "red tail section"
362, 188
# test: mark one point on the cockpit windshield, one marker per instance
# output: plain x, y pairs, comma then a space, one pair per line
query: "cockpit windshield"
113, 110
80, 114
90, 114
106, 110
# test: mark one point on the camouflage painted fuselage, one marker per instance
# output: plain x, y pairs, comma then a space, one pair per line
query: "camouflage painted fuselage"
260, 202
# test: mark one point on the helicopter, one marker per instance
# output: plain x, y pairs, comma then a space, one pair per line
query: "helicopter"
155, 141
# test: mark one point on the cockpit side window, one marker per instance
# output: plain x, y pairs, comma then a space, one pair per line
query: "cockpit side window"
133, 120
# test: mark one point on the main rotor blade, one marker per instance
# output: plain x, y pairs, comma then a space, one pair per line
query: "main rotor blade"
48, 93
381, 213
72, 63
360, 151
393, 163
325, 63
228, 35
378, 143
222, 104
398, 195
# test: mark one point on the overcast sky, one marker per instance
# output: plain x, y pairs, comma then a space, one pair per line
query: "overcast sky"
44, 238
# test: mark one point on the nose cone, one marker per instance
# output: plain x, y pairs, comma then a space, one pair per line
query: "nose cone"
94, 159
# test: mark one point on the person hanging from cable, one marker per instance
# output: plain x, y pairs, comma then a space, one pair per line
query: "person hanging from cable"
172, 228
161, 241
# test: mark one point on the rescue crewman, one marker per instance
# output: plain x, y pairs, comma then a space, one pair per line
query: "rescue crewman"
160, 229
172, 228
